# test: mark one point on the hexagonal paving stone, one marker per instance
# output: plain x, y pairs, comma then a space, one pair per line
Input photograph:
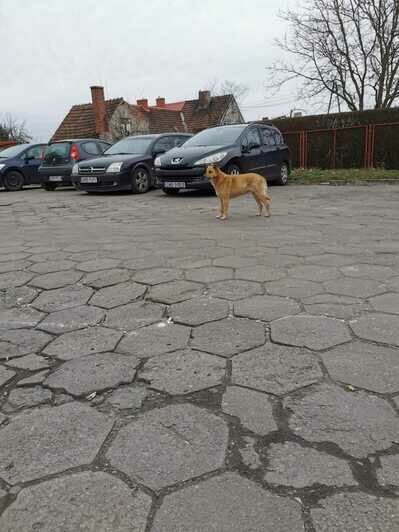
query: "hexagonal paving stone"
312, 272
128, 397
356, 512
235, 289
365, 366
14, 266
184, 372
22, 342
5, 375
50, 281
93, 373
276, 369
63, 298
83, 342
382, 328
49, 440
355, 287
72, 319
155, 340
52, 266
134, 315
19, 317
335, 306
27, 397
330, 259
98, 264
52, 506
37, 378
360, 424
104, 278
388, 473
393, 284
369, 271
296, 288
119, 294
158, 275
199, 310
254, 409
169, 445
386, 303
228, 337
291, 465
31, 362
314, 332
266, 308
175, 291
10, 279
227, 503
235, 261
16, 295
260, 274
209, 274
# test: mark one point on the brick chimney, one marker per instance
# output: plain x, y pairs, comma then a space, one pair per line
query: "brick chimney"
143, 103
100, 114
204, 98
160, 102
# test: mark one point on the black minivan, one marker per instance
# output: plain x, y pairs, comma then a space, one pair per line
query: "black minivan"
242, 148
60, 157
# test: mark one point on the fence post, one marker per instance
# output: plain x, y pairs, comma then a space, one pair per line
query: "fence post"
334, 148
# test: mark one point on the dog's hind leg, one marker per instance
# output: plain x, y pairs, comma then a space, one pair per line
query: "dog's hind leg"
259, 202
266, 203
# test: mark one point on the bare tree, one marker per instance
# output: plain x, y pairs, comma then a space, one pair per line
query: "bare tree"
11, 129
345, 49
218, 88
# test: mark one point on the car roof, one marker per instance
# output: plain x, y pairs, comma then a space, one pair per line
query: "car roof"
157, 135
78, 140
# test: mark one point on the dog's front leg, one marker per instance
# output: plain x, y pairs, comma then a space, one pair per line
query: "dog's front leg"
221, 208
225, 208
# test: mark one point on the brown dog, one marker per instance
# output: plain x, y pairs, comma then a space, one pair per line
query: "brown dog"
231, 186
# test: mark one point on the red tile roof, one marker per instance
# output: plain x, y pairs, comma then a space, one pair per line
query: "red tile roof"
178, 116
79, 122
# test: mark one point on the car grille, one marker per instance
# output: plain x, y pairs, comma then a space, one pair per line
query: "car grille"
91, 170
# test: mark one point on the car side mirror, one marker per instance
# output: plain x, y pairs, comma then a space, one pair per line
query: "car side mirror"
253, 146
159, 151
29, 157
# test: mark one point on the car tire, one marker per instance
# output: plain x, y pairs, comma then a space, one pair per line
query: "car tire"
140, 181
49, 186
233, 169
171, 191
282, 180
13, 181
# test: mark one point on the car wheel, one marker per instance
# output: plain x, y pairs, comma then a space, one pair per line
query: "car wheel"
13, 181
49, 186
283, 177
140, 181
233, 169
171, 191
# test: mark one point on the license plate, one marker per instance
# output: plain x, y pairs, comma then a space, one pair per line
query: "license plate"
55, 178
88, 179
175, 184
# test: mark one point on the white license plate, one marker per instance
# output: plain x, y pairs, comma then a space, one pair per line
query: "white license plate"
88, 179
55, 178
175, 184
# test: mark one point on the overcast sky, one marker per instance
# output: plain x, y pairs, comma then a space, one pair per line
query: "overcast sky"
53, 50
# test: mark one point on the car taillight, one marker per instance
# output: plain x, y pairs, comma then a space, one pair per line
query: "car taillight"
74, 153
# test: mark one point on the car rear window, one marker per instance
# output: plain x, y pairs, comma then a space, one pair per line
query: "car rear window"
57, 151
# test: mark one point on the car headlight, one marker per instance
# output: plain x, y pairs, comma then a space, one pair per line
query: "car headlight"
211, 159
158, 162
75, 169
114, 168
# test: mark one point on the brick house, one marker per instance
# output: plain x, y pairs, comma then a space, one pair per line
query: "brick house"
116, 118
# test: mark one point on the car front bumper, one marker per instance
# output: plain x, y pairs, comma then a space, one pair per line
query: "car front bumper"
103, 182
58, 175
190, 178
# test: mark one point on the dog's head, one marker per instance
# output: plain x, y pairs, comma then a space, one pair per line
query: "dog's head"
211, 171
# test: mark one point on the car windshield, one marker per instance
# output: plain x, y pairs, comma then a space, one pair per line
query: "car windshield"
217, 136
130, 145
13, 151
58, 150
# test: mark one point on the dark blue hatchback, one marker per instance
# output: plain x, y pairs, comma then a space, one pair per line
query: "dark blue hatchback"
19, 165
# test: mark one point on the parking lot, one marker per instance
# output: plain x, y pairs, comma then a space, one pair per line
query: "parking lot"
161, 370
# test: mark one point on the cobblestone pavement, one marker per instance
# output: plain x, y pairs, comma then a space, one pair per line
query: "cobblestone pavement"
164, 371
